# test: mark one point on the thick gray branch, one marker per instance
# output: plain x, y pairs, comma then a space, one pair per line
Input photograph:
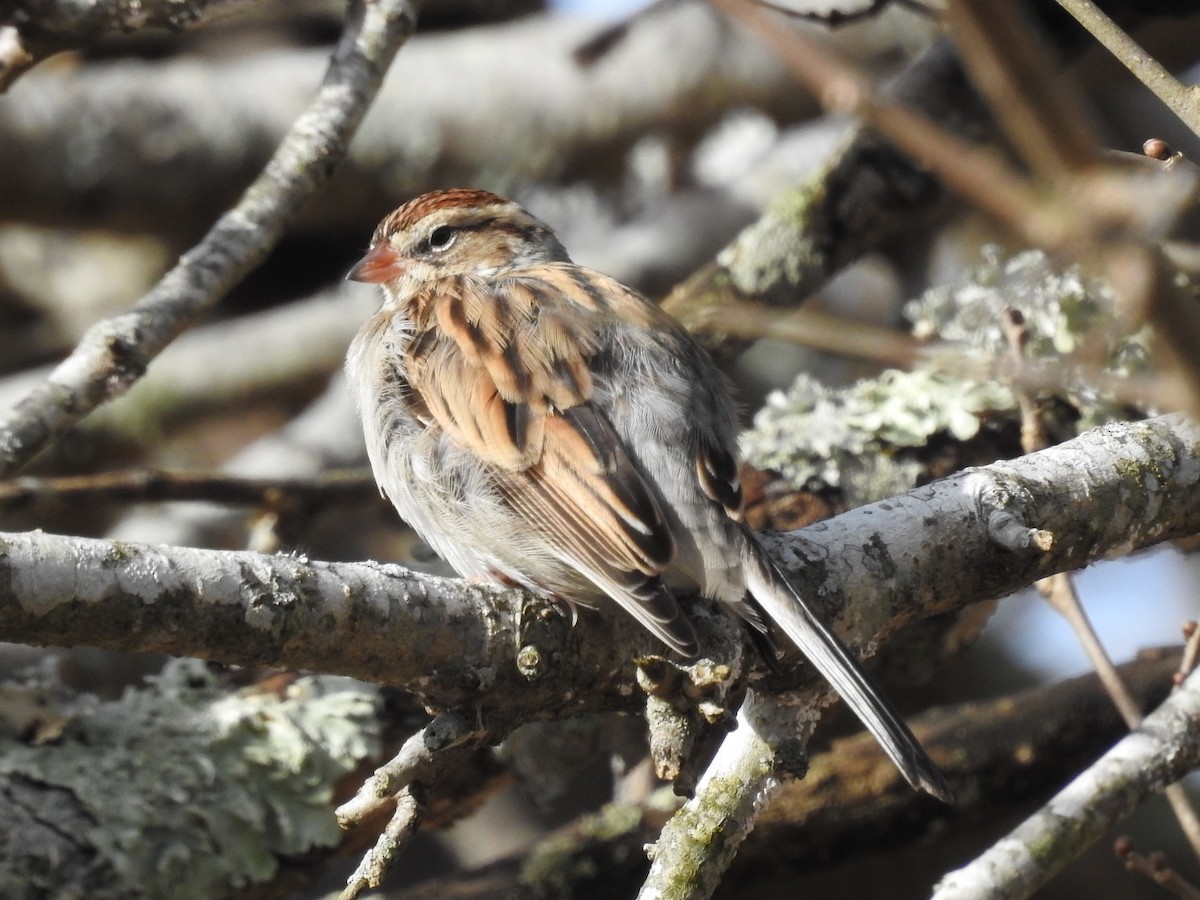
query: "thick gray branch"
1092, 497
1110, 492
114, 353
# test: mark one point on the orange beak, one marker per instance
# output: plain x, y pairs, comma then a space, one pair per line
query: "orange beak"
381, 264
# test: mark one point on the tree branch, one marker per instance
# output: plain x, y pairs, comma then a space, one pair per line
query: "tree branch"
874, 187
941, 547
1181, 99
1001, 753
1164, 748
115, 353
498, 107
700, 840
36, 29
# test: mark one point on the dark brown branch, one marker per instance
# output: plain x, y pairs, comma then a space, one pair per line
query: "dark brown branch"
150, 485
1002, 754
1164, 748
997, 754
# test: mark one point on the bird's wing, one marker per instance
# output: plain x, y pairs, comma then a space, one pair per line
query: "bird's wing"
506, 374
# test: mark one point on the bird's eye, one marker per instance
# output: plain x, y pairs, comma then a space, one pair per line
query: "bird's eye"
441, 237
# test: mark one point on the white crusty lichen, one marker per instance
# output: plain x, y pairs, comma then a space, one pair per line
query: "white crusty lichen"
191, 791
1062, 310
854, 438
848, 437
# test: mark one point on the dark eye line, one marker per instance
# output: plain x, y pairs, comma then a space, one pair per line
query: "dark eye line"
449, 232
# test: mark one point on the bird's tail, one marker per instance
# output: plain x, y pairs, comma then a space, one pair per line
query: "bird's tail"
787, 609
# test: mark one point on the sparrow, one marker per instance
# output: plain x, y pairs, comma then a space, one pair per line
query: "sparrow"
539, 423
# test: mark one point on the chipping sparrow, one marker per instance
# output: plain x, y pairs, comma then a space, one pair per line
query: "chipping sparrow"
539, 423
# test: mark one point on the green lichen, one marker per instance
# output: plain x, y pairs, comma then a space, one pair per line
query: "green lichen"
559, 863
768, 257
850, 435
1062, 310
193, 791
854, 438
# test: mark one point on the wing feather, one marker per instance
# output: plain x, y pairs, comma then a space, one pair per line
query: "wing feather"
513, 383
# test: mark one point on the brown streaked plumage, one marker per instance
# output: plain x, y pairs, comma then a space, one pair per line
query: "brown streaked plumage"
540, 423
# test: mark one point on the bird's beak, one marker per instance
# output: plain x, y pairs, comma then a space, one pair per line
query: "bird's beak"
381, 264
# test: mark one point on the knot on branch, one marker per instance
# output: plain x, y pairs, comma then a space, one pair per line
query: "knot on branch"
689, 708
1000, 507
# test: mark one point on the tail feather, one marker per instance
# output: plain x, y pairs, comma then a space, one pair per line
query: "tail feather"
784, 606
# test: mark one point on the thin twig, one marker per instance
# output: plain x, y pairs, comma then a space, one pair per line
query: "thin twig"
1191, 651
1033, 425
1059, 591
975, 173
153, 485
1040, 111
1100, 215
1155, 867
115, 353
822, 331
1181, 99
1163, 750
445, 731
410, 808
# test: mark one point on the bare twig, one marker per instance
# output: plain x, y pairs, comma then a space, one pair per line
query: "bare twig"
325, 436
115, 353
152, 485
1059, 589
1039, 109
1181, 99
447, 730
1161, 751
1033, 426
822, 331
1155, 867
1104, 203
1191, 634
977, 174
1100, 215
410, 808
